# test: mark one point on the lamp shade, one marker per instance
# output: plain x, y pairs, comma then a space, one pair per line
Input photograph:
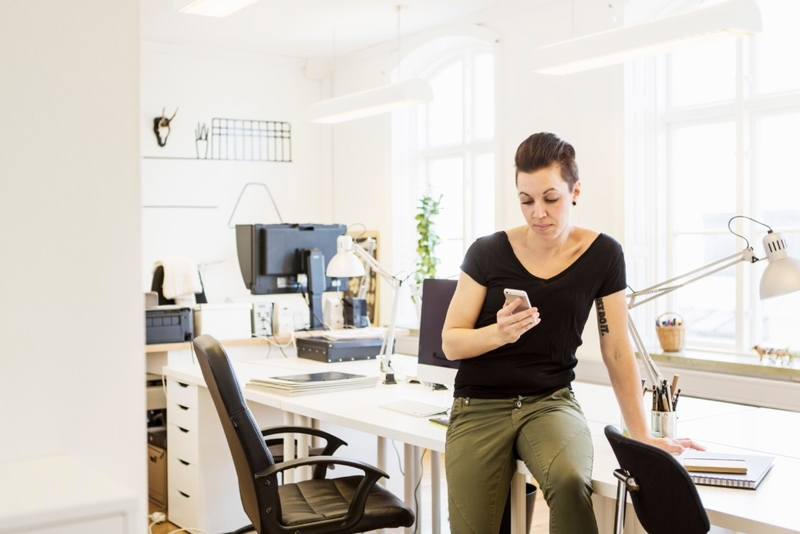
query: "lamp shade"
371, 102
210, 8
782, 274
344, 264
727, 20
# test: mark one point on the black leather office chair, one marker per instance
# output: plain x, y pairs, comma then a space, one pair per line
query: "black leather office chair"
664, 497
343, 505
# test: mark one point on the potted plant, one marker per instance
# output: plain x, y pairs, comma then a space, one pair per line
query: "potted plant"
427, 241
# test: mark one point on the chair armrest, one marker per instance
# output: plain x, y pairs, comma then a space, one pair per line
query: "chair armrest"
317, 460
356, 510
332, 443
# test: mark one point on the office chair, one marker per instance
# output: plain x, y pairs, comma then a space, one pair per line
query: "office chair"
343, 505
664, 497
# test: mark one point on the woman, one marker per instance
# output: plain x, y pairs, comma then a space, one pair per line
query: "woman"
512, 391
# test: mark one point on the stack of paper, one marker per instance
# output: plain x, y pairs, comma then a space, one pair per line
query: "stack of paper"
309, 383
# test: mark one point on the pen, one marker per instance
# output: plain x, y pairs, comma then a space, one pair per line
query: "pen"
675, 379
675, 400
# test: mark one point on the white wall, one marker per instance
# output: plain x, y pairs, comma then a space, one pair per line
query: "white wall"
72, 363
585, 109
205, 83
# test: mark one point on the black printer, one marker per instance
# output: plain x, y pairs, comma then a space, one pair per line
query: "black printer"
169, 324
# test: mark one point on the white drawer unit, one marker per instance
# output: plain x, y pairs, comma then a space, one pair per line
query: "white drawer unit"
182, 443
182, 416
183, 508
184, 476
181, 393
182, 453
200, 469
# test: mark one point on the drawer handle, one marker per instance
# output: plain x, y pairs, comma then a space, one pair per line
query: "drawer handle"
182, 407
185, 431
183, 462
182, 493
183, 385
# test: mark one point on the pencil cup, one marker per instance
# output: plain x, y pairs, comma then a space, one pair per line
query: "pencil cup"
664, 424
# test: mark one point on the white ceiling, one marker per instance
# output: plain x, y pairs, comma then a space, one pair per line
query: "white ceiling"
306, 28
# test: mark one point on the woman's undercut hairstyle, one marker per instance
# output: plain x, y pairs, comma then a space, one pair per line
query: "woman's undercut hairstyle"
541, 150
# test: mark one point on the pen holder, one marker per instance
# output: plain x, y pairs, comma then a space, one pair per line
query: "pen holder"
664, 424
671, 334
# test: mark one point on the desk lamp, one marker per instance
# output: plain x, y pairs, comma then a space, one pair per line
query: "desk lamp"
345, 264
782, 276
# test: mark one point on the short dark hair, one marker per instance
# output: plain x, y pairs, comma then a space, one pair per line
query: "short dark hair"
541, 150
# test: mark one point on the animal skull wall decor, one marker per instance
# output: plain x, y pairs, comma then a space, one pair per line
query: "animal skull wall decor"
161, 127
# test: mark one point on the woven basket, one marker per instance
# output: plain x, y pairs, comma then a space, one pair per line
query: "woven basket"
671, 332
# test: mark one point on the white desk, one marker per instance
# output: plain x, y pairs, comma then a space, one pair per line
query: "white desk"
769, 510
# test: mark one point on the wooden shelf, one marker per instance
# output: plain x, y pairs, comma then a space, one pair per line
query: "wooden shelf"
185, 345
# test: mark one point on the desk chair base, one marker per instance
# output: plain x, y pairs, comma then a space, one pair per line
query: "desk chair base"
625, 483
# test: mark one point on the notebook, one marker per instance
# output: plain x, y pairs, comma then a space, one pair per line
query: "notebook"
711, 463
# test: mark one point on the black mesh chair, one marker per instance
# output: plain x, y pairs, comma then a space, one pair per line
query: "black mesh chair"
664, 497
343, 505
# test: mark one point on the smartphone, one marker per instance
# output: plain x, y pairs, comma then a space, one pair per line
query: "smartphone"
513, 294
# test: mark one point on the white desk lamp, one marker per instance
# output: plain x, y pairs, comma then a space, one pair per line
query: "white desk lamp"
345, 264
781, 276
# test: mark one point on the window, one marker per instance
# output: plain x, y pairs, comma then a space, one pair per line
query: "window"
446, 148
721, 124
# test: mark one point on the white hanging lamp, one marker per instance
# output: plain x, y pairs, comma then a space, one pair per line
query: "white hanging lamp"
400, 95
210, 8
717, 22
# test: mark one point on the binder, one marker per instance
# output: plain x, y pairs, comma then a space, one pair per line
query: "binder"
757, 468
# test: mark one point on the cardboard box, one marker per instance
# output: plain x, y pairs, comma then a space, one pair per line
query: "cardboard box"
228, 320
157, 475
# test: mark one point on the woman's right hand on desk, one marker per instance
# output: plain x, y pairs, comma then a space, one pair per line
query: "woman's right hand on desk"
675, 445
510, 326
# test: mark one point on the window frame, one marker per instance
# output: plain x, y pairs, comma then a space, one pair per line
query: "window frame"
410, 179
746, 111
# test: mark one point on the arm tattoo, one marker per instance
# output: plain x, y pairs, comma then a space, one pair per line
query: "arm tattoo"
602, 322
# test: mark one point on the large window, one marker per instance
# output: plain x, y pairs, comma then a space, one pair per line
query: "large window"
722, 140
447, 148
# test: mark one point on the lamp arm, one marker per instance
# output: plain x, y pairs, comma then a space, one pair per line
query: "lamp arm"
663, 288
375, 266
650, 367
388, 343
659, 289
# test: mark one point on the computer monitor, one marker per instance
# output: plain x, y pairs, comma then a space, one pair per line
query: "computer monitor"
432, 365
289, 258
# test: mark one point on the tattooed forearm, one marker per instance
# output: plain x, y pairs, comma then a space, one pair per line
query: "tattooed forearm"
602, 322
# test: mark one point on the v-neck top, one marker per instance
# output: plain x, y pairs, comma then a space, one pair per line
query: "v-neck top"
542, 359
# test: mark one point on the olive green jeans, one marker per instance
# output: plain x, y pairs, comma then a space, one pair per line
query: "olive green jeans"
548, 432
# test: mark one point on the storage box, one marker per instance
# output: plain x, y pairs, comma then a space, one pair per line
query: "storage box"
168, 324
229, 320
157, 475
324, 350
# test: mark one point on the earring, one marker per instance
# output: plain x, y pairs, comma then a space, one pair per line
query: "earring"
574, 203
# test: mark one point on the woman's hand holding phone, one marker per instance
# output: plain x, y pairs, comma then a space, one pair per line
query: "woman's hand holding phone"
517, 316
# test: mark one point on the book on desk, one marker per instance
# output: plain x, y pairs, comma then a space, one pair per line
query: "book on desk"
310, 383
720, 469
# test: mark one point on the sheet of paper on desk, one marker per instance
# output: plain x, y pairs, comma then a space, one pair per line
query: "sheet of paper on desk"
309, 383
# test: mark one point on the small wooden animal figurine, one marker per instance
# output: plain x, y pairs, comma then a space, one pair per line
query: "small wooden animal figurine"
775, 355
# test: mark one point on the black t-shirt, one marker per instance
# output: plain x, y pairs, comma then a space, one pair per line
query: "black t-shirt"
543, 359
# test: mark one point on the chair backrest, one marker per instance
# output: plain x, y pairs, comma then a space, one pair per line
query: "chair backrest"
667, 500
250, 454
